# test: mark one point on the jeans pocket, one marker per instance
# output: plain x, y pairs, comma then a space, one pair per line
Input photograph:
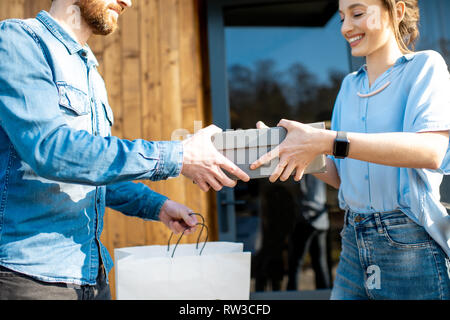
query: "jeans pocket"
342, 231
405, 233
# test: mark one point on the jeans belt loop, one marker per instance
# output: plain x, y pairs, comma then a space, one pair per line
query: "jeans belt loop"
378, 222
345, 217
73, 286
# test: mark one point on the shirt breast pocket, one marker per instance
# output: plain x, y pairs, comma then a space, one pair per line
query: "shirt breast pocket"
75, 107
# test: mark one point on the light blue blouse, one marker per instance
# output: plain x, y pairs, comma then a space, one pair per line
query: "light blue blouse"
417, 99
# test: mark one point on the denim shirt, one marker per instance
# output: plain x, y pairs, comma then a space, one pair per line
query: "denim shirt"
416, 100
59, 164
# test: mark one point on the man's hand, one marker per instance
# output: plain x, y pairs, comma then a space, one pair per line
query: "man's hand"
176, 217
203, 164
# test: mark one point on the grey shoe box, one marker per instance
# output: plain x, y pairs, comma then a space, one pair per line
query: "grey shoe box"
243, 147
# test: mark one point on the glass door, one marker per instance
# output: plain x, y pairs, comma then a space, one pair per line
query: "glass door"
271, 60
275, 73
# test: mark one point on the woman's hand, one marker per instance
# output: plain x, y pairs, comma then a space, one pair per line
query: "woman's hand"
301, 145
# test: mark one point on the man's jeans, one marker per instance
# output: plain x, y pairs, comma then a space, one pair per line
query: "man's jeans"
389, 256
16, 286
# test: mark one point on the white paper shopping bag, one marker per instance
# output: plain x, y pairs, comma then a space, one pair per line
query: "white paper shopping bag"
221, 271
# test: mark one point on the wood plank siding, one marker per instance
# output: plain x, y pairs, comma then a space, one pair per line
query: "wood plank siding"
154, 70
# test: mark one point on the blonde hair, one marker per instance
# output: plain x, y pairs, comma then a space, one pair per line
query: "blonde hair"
407, 30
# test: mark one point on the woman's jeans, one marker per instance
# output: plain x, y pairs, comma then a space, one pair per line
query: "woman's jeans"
389, 256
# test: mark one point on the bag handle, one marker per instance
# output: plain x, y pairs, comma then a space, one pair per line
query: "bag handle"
198, 239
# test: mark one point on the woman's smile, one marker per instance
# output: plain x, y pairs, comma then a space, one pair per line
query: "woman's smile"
355, 40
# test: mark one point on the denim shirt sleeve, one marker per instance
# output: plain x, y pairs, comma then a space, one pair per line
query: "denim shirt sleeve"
134, 199
30, 116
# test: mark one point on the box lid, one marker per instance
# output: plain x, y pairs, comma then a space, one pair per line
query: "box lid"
250, 138
253, 138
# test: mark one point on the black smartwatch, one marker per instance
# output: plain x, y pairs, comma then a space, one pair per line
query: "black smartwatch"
341, 145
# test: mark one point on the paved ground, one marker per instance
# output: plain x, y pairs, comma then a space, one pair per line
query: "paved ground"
306, 281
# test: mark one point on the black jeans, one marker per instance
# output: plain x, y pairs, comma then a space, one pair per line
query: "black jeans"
16, 286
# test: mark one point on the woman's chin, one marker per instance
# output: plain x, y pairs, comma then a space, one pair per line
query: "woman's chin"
358, 53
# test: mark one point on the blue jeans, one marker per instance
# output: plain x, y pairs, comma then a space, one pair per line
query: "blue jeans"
389, 256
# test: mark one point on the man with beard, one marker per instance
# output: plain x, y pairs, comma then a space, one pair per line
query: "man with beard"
59, 165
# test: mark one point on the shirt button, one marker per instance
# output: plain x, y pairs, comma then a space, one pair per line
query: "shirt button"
84, 53
366, 177
363, 118
358, 218
98, 201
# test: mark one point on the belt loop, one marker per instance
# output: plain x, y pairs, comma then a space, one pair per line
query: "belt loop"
378, 222
74, 286
345, 217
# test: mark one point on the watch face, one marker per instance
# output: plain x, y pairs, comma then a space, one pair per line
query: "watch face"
341, 148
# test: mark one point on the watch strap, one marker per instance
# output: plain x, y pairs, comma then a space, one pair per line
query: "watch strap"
341, 145
342, 135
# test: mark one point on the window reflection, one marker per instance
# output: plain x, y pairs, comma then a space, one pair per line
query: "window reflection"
275, 73
435, 27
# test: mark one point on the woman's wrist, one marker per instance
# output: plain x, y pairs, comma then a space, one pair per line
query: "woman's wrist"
325, 141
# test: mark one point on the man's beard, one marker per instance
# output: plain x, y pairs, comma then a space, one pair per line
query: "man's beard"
98, 17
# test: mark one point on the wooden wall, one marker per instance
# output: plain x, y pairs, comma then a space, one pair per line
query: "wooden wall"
154, 72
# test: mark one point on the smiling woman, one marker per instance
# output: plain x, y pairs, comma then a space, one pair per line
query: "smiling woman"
370, 26
387, 155
404, 22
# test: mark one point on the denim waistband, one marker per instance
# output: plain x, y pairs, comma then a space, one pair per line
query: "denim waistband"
100, 277
376, 218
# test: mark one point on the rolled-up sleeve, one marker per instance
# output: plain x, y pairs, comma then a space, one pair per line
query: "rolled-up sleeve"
428, 104
170, 160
